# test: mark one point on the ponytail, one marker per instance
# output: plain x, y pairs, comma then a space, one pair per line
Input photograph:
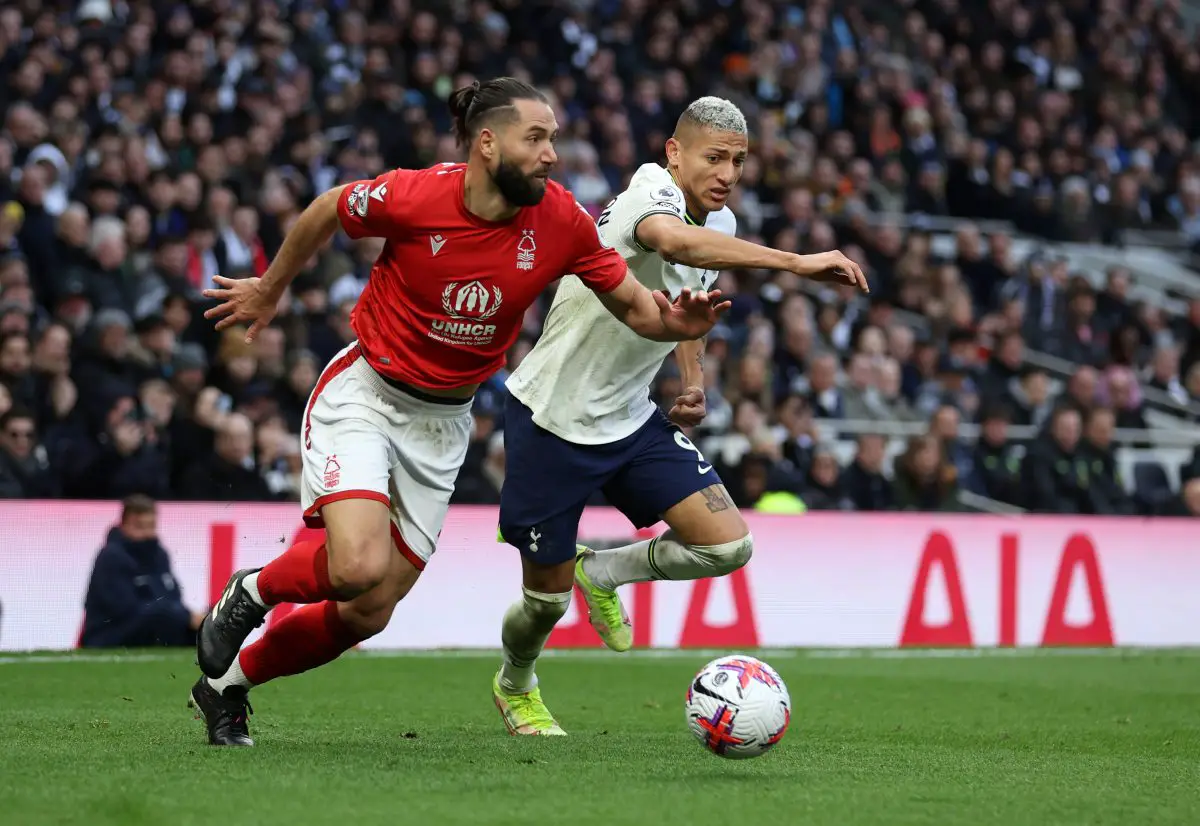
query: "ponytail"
472, 106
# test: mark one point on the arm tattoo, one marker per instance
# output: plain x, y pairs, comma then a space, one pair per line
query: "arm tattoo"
700, 354
715, 499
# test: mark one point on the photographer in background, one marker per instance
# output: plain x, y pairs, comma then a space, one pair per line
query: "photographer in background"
133, 599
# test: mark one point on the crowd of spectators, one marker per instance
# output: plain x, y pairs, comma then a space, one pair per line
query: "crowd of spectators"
145, 147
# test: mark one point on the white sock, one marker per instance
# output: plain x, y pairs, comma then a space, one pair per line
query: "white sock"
618, 566
527, 625
250, 583
665, 557
233, 677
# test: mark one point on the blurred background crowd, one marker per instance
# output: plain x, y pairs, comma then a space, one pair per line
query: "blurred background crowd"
963, 151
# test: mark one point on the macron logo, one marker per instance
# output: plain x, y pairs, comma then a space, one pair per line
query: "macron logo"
436, 242
378, 192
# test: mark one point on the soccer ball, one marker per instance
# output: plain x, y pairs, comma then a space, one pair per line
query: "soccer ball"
738, 707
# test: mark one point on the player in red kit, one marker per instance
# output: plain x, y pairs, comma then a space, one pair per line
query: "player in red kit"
468, 248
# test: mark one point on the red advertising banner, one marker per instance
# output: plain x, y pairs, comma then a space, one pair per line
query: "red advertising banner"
825, 580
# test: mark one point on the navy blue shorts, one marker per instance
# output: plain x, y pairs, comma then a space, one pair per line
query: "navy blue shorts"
548, 480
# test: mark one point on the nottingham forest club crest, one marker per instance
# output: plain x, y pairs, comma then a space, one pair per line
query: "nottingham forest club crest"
526, 247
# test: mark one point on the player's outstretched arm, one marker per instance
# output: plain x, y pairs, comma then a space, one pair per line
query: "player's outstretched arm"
708, 249
658, 318
253, 301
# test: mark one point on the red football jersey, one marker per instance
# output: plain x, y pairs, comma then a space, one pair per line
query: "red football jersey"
448, 292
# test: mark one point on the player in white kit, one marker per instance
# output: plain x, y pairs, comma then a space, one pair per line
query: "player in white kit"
579, 417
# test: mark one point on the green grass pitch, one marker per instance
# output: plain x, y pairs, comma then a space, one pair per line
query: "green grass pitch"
1005, 738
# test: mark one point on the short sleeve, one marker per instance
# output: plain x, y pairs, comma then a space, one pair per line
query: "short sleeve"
601, 268
637, 204
375, 208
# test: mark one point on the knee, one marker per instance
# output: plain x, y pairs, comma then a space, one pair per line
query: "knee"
370, 612
728, 556
553, 578
358, 566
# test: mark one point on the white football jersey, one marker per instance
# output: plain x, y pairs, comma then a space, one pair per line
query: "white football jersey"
588, 378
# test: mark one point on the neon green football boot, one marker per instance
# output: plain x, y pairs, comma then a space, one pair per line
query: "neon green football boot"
525, 714
605, 611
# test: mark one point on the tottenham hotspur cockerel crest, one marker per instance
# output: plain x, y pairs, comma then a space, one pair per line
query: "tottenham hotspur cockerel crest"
525, 250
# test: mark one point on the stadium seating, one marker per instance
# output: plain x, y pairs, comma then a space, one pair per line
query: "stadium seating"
144, 148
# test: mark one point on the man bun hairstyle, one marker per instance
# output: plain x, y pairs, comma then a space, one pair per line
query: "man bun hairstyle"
481, 104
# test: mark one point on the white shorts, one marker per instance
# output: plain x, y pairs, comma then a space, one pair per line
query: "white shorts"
364, 439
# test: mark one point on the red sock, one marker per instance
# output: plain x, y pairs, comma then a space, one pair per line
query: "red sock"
309, 637
300, 575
